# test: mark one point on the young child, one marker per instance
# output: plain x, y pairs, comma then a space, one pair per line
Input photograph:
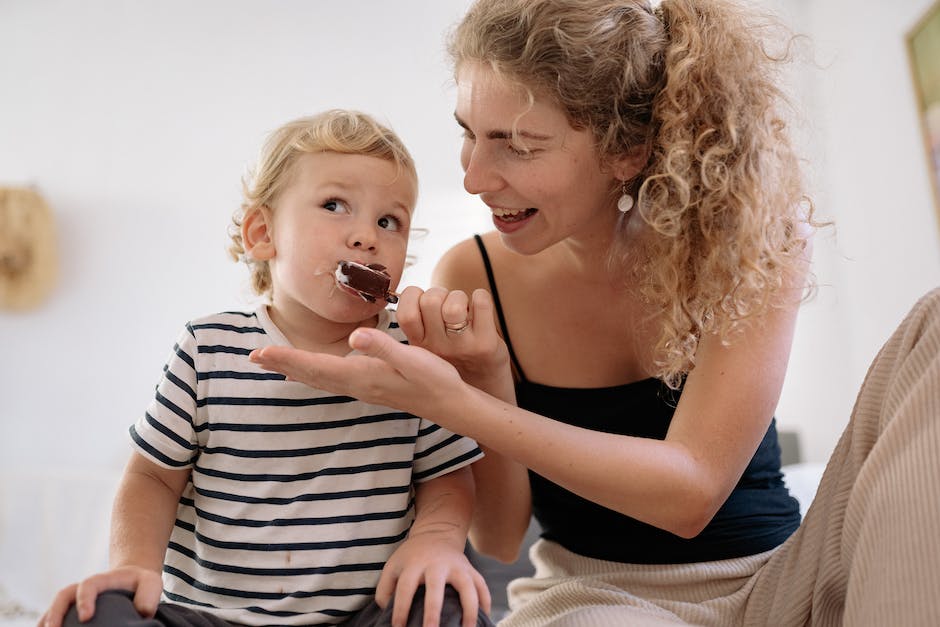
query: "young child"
264, 501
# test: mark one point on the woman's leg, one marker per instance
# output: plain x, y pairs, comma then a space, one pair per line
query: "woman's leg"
868, 551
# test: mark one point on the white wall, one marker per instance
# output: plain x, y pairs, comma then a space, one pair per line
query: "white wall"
137, 119
870, 176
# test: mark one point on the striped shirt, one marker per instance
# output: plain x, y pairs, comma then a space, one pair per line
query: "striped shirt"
297, 496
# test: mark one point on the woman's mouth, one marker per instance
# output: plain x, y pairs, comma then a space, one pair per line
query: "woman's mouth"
512, 216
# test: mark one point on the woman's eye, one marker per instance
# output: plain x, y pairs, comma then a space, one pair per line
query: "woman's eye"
336, 206
390, 223
520, 152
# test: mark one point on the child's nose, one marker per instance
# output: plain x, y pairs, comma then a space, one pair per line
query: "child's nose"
362, 237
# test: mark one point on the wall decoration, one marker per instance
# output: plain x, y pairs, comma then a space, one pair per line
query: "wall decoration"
28, 259
923, 45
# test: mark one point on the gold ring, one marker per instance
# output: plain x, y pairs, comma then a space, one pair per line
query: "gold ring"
456, 328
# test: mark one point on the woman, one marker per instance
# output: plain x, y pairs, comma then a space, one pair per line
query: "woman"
651, 249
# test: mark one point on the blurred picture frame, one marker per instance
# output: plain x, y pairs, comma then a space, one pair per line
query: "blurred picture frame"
923, 47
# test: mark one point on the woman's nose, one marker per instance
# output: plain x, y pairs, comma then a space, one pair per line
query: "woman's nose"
479, 174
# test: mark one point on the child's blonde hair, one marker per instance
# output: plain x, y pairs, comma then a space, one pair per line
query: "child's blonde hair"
337, 130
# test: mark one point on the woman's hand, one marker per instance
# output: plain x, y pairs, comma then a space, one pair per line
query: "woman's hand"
389, 373
146, 584
459, 328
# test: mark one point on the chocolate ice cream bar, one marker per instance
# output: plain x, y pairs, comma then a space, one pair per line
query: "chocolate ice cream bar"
370, 281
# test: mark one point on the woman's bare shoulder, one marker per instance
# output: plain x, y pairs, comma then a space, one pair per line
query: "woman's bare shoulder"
462, 268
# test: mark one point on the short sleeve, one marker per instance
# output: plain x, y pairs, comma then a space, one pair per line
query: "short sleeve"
439, 451
166, 433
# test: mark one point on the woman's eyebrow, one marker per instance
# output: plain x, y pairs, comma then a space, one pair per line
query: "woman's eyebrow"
497, 134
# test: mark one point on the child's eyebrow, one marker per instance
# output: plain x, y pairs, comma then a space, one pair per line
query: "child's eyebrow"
498, 134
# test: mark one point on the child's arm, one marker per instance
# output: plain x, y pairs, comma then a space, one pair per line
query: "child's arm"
433, 553
141, 522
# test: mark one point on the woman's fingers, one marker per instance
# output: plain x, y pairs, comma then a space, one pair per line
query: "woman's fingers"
328, 372
388, 373
455, 311
409, 314
483, 313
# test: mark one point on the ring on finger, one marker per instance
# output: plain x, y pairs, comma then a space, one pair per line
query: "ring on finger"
456, 327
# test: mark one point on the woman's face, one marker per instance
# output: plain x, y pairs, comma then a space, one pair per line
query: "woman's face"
543, 185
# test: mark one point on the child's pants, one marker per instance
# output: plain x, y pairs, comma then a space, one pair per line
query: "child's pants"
115, 608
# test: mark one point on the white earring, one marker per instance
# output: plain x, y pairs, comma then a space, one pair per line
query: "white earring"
625, 203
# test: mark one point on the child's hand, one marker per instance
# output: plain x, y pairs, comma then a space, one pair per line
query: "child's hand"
434, 559
146, 584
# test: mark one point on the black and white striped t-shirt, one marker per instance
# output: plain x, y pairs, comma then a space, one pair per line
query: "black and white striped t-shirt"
297, 496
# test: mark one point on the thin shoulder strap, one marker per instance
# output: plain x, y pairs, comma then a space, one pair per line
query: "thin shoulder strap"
499, 307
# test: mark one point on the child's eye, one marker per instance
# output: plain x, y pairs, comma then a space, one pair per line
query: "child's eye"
390, 223
336, 206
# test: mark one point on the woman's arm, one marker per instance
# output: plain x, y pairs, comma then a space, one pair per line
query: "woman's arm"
504, 501
676, 484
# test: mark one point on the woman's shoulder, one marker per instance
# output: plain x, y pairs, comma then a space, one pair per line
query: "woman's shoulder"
462, 267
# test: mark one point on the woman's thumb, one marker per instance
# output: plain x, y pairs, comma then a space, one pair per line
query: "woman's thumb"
373, 343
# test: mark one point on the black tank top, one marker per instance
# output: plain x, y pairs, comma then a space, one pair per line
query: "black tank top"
758, 515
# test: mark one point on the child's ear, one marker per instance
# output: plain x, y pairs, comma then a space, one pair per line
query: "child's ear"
256, 234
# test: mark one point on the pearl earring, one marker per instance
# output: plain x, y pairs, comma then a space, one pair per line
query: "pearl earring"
625, 203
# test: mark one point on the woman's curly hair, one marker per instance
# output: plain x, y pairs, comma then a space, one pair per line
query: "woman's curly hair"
693, 82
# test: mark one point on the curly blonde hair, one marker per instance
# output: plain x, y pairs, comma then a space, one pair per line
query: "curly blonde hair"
692, 81
336, 130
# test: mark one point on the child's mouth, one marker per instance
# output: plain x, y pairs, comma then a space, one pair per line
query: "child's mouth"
370, 282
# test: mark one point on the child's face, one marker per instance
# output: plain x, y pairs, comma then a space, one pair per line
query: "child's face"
337, 207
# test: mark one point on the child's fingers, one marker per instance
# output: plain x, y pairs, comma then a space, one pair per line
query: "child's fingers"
385, 588
148, 594
483, 592
86, 594
469, 593
433, 601
61, 603
404, 596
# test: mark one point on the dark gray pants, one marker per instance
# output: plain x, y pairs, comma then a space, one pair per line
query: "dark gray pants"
115, 608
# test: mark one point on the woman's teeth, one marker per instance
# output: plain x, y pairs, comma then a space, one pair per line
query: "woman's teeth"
513, 215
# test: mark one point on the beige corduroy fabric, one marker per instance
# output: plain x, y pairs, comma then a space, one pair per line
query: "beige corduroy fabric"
868, 552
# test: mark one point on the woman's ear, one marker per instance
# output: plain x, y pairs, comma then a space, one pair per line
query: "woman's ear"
256, 234
632, 162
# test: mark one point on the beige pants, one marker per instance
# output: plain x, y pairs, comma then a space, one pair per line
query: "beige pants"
867, 553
